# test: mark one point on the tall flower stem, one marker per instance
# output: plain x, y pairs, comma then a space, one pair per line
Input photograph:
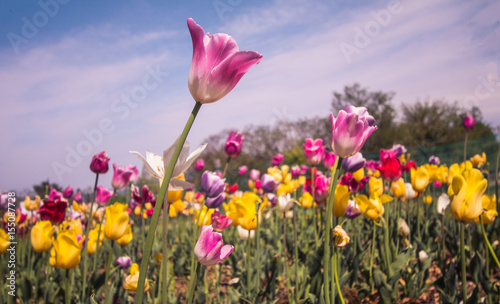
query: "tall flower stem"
372, 254
296, 255
67, 293
328, 230
387, 248
488, 243
161, 197
398, 206
248, 265
462, 257
85, 237
336, 276
193, 282
443, 237
257, 241
496, 179
418, 217
465, 145
226, 166
315, 216
166, 216
98, 238
108, 265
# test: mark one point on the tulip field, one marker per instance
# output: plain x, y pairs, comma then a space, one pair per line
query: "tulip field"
336, 228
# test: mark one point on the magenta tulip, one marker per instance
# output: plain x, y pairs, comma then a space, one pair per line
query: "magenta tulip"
217, 64
121, 177
234, 143
100, 163
219, 221
313, 150
277, 159
68, 192
296, 171
198, 166
328, 159
135, 173
103, 195
350, 130
242, 170
78, 197
55, 195
210, 249
469, 122
123, 262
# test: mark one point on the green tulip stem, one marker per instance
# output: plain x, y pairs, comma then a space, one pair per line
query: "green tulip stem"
257, 242
108, 265
67, 293
94, 265
387, 248
418, 217
226, 166
443, 237
192, 283
37, 277
161, 195
462, 256
372, 254
398, 207
296, 254
166, 216
496, 180
315, 217
465, 145
336, 275
248, 265
487, 242
328, 230
217, 283
85, 237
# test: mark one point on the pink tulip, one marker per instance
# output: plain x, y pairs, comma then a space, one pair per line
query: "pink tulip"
219, 221
313, 149
99, 163
78, 197
329, 159
295, 171
210, 249
350, 130
68, 192
103, 195
200, 163
121, 177
234, 143
254, 174
217, 64
277, 159
135, 173
469, 122
55, 195
242, 170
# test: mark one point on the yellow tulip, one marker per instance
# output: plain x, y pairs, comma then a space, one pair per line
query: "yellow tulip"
428, 199
176, 195
133, 278
376, 185
205, 217
275, 173
66, 251
398, 188
92, 245
478, 160
306, 200
372, 207
341, 200
466, 192
190, 196
246, 210
419, 179
284, 189
31, 205
442, 174
41, 236
489, 205
302, 180
465, 166
452, 171
126, 237
116, 221
176, 207
4, 241
358, 175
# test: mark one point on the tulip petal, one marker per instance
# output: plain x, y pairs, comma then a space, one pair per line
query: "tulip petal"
148, 167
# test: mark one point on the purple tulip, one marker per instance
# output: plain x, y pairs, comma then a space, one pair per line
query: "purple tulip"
200, 163
68, 192
219, 221
217, 64
353, 163
212, 184
313, 150
267, 183
78, 197
103, 195
254, 174
271, 198
399, 149
242, 170
121, 177
233, 144
277, 159
145, 196
352, 210
469, 122
434, 160
296, 171
350, 131
210, 249
100, 163
329, 159
124, 262
215, 202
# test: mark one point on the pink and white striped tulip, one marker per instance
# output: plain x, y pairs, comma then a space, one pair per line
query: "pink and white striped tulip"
210, 249
217, 64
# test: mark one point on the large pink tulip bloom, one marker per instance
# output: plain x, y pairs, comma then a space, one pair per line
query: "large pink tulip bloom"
350, 131
217, 64
210, 249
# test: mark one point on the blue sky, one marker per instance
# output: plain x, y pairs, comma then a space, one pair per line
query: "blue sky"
69, 68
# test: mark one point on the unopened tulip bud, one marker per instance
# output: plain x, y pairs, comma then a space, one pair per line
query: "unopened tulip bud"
422, 256
403, 228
